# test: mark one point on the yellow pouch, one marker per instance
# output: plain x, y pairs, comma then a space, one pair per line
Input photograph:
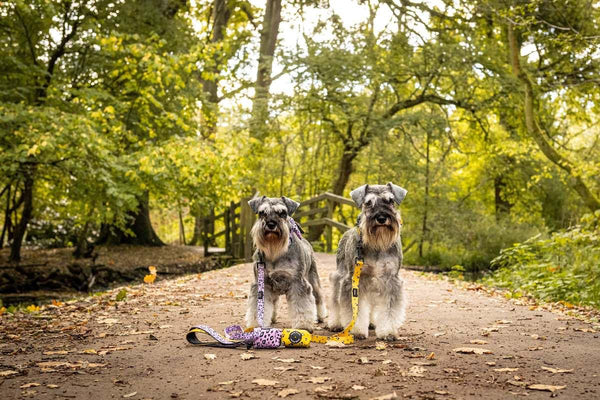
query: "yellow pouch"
295, 338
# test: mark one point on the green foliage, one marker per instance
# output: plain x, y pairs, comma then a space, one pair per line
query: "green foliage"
122, 295
564, 267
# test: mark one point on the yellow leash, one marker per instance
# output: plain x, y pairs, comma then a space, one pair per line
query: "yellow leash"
345, 336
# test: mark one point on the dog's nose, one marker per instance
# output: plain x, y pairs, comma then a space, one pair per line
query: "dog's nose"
381, 218
271, 225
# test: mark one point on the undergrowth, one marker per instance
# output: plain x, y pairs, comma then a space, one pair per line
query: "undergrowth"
564, 267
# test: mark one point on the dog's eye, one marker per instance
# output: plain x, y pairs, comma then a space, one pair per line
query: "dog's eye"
261, 214
282, 214
369, 203
389, 201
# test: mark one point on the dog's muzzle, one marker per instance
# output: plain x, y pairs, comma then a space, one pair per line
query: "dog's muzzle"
271, 227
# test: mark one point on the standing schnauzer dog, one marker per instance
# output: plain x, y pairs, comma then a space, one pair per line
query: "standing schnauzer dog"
381, 290
290, 266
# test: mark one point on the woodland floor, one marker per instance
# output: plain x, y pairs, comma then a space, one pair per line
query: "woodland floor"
96, 347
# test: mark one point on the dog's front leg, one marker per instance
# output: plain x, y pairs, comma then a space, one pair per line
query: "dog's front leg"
251, 315
361, 325
302, 306
389, 310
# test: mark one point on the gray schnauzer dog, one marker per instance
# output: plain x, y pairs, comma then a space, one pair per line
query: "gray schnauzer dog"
381, 290
290, 266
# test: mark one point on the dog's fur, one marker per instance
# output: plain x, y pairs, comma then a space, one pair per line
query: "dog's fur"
381, 290
290, 266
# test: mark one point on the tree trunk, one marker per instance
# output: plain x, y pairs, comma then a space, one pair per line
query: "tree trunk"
21, 226
502, 206
536, 132
424, 227
139, 224
6, 227
268, 40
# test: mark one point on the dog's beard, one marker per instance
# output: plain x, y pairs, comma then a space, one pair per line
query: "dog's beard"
380, 237
272, 245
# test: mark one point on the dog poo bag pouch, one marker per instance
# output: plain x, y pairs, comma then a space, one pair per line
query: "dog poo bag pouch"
295, 338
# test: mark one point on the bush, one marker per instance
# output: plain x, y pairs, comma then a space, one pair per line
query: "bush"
564, 267
472, 242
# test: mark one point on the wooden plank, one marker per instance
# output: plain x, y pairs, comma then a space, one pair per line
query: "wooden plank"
312, 200
329, 222
216, 235
313, 211
339, 199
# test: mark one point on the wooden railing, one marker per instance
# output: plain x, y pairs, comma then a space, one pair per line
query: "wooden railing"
318, 216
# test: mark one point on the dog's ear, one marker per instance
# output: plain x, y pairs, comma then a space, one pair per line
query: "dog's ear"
358, 195
399, 193
255, 203
291, 205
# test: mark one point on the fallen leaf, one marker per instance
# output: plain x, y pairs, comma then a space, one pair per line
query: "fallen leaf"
491, 363
288, 360
52, 386
503, 322
108, 321
380, 346
471, 350
316, 367
364, 360
152, 269
515, 383
51, 353
384, 362
247, 356
557, 370
149, 278
333, 343
28, 385
547, 388
358, 387
226, 383
265, 382
441, 392
88, 351
506, 369
431, 356
319, 379
236, 394
438, 334
478, 341
210, 356
323, 389
385, 397
129, 395
283, 369
287, 392
416, 371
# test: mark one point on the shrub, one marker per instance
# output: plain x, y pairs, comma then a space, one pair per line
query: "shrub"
564, 267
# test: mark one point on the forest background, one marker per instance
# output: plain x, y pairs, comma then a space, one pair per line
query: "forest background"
128, 121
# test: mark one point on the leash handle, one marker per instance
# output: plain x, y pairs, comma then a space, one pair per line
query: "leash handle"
260, 306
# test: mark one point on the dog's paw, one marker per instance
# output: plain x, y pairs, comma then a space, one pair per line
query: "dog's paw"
359, 336
389, 338
371, 326
335, 328
305, 326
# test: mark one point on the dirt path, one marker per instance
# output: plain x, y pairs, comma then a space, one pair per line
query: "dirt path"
98, 348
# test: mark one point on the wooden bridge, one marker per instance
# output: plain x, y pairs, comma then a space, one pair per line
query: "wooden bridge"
324, 218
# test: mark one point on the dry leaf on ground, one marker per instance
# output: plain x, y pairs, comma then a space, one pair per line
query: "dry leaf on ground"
129, 395
380, 346
8, 373
358, 387
478, 341
471, 350
319, 379
557, 370
210, 356
265, 382
288, 360
546, 388
28, 385
333, 343
385, 397
287, 392
506, 369
247, 356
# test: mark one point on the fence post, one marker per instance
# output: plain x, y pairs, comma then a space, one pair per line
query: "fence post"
226, 220
329, 228
246, 222
205, 235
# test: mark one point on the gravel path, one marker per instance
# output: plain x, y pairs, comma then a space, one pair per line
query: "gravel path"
99, 348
